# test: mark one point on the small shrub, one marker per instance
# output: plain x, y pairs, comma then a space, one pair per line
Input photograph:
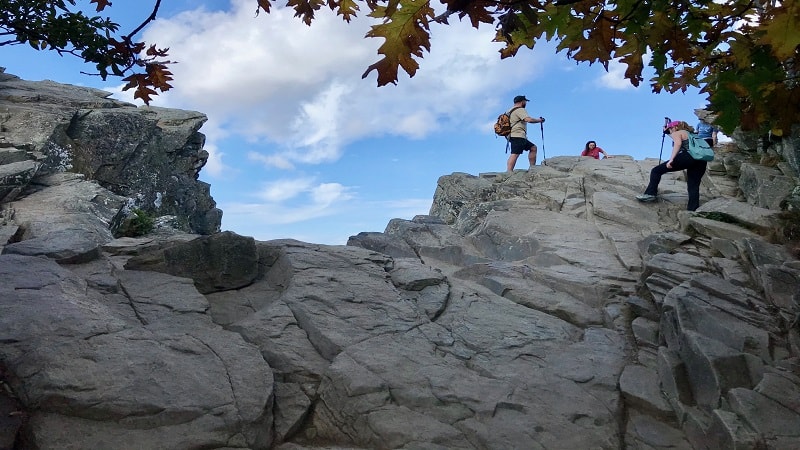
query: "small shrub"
139, 223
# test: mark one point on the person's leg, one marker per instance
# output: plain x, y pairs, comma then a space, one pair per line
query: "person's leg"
655, 178
532, 154
710, 142
518, 145
694, 174
512, 161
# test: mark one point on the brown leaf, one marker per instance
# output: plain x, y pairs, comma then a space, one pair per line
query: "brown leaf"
635, 65
101, 4
158, 76
478, 11
305, 9
156, 52
263, 4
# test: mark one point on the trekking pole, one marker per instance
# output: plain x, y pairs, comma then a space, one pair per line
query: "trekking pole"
544, 154
663, 135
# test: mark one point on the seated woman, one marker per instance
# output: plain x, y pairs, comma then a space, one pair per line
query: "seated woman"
593, 150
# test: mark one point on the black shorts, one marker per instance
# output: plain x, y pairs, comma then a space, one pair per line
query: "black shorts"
519, 145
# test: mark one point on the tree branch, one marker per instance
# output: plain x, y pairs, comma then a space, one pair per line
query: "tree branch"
141, 26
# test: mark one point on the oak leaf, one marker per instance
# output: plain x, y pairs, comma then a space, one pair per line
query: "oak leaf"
305, 9
406, 34
345, 8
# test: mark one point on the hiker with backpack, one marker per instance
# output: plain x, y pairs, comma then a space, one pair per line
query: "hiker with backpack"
518, 137
679, 160
594, 151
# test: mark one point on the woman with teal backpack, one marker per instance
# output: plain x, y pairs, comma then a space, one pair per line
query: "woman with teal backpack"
679, 160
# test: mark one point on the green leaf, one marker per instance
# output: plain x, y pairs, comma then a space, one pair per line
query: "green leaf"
406, 34
783, 31
345, 8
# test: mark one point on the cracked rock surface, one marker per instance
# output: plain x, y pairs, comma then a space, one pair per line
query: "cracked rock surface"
529, 310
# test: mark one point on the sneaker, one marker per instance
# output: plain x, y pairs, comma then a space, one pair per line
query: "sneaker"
646, 198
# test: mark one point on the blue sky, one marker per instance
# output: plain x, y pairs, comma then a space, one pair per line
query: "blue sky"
302, 147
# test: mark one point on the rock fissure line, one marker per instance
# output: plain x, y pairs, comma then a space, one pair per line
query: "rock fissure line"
222, 361
132, 304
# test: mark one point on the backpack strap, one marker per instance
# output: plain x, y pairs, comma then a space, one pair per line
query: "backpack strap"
511, 111
508, 138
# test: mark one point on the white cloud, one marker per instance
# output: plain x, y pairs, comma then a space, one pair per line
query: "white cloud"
280, 190
288, 200
277, 161
614, 78
272, 79
329, 193
214, 165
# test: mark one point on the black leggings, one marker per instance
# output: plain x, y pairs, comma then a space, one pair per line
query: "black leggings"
694, 173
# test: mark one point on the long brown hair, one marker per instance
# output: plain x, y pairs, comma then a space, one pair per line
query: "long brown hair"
684, 126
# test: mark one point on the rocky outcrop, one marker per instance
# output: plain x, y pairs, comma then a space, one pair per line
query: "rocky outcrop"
780, 154
540, 309
712, 308
150, 156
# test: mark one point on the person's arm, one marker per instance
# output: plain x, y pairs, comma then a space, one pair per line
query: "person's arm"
530, 119
677, 139
714, 136
605, 155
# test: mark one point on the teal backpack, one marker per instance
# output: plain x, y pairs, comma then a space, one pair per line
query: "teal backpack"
699, 148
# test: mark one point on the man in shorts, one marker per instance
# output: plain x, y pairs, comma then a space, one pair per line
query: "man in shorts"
519, 133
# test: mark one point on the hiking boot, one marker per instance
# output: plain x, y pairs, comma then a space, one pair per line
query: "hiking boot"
646, 198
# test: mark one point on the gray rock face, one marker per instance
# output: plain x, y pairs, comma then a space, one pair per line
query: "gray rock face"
151, 156
145, 139
533, 310
765, 187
